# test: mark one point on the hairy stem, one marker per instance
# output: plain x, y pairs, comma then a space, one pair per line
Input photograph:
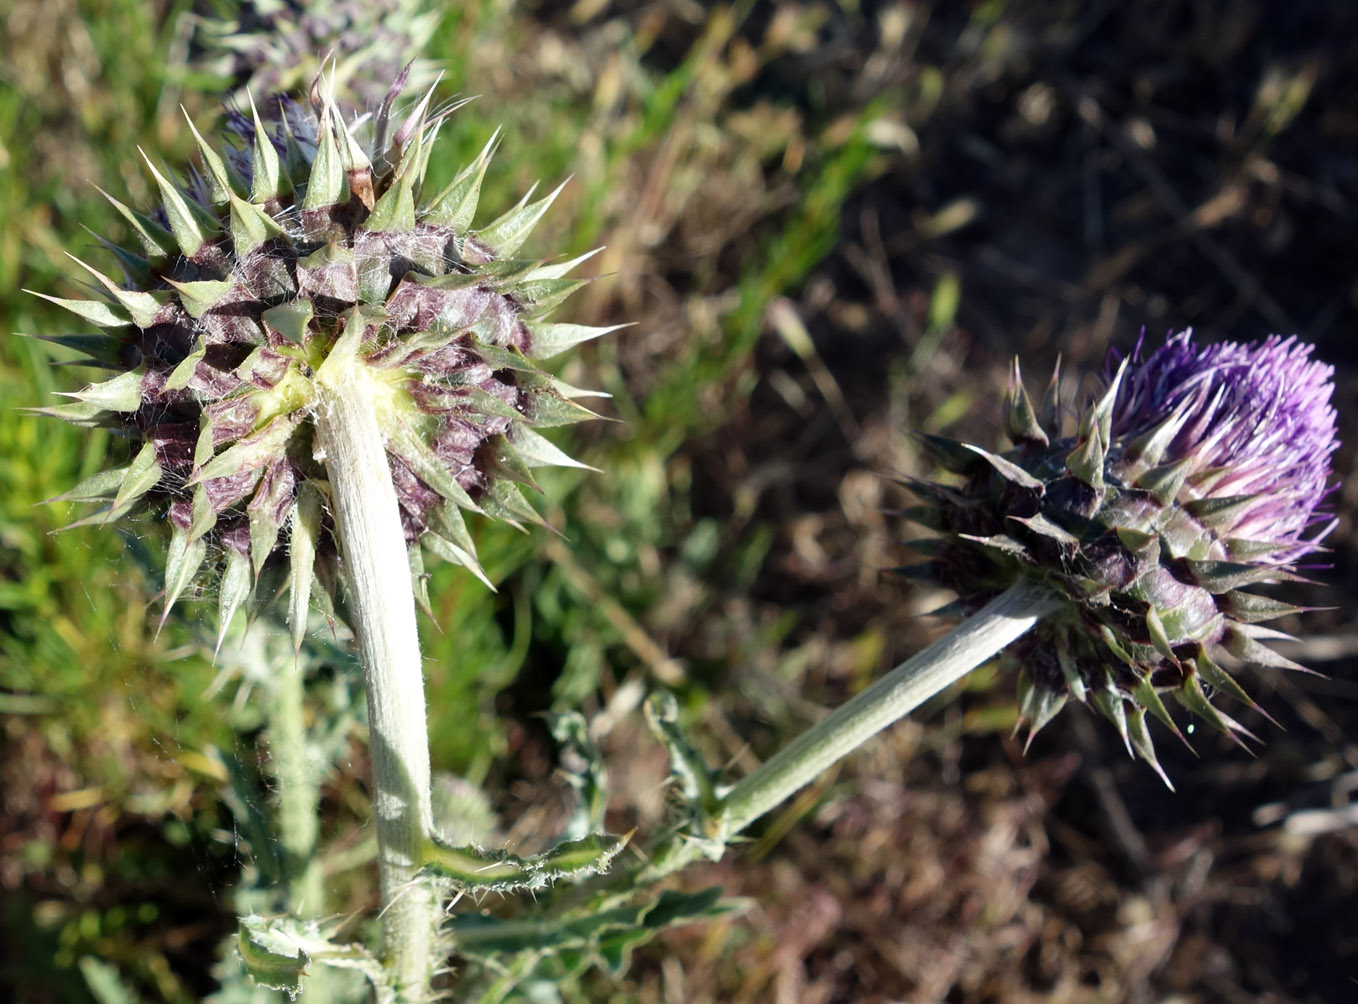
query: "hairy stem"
368, 523
298, 796
1008, 617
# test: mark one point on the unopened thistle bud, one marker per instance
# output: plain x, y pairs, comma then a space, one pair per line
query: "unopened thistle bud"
1196, 473
307, 242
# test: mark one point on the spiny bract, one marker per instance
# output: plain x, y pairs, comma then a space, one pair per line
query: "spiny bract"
1198, 472
297, 242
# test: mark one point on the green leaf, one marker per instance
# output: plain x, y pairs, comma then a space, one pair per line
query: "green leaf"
121, 394
326, 184
144, 474
186, 368
291, 319
182, 563
271, 954
105, 315
251, 226
190, 223
141, 306
155, 239
550, 338
538, 451
234, 590
587, 934
407, 444
255, 450
274, 487
584, 770
216, 167
306, 532
268, 180
696, 780
395, 210
507, 234
455, 206
474, 868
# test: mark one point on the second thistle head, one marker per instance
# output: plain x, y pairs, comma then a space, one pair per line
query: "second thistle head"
1196, 473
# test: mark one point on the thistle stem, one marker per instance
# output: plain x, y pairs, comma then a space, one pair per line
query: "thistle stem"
984, 634
368, 525
1007, 617
298, 798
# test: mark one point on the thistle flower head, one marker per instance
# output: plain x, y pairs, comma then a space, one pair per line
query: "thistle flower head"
1197, 472
304, 240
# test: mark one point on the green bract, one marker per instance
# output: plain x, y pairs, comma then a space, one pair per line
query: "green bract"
301, 240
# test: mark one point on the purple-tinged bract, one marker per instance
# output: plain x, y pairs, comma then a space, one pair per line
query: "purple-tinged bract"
1197, 472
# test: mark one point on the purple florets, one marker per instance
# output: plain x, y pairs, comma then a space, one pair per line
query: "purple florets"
1254, 420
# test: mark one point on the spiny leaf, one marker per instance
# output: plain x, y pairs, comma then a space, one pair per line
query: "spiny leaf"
1242, 646
216, 167
96, 487
265, 523
538, 451
104, 349
453, 554
182, 563
233, 591
143, 474
325, 184
158, 242
505, 501
472, 867
186, 368
1023, 424
456, 206
395, 210
302, 543
1037, 706
290, 320
254, 450
1146, 695
1145, 746
105, 315
584, 771
507, 234
142, 307
202, 295
191, 225
1009, 470
697, 781
560, 269
412, 449
120, 394
251, 226
551, 338
541, 296
268, 180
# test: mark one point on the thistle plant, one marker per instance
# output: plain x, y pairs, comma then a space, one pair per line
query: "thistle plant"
1115, 557
319, 369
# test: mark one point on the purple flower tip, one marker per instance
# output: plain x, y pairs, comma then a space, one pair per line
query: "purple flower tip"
1259, 415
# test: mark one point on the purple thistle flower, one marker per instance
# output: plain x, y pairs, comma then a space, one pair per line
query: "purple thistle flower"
1198, 472
1259, 414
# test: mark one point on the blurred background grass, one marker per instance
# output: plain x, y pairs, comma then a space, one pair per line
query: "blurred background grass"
833, 223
